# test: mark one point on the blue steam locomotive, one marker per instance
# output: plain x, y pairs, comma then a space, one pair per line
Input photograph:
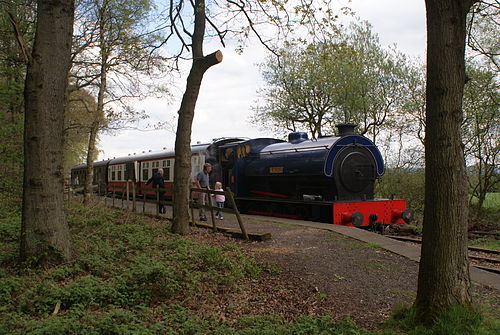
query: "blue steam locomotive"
330, 179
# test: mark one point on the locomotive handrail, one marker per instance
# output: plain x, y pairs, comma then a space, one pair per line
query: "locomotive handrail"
270, 152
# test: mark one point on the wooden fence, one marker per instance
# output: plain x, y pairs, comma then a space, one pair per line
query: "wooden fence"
128, 194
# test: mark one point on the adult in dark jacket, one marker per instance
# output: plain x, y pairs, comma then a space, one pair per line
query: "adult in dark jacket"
159, 182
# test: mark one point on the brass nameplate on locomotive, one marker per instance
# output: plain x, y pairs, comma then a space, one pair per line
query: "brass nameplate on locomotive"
276, 169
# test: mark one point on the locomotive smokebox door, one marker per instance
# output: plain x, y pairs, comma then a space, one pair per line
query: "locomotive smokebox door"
354, 173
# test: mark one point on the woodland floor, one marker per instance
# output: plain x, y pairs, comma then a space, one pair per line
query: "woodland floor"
319, 272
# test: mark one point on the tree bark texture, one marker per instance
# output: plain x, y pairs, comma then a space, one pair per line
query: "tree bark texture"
182, 165
444, 278
45, 236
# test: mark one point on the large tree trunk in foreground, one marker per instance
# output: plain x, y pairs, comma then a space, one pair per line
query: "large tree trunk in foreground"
182, 165
444, 278
45, 236
182, 168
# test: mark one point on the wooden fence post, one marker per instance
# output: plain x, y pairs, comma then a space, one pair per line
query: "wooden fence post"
240, 222
143, 201
157, 201
123, 195
191, 203
128, 194
133, 197
209, 195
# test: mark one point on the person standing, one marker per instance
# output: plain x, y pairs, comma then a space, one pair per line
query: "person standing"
203, 181
159, 183
219, 199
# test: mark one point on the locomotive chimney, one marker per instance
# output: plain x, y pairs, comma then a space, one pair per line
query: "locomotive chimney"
346, 129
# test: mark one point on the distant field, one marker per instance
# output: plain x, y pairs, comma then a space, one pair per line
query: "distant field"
492, 201
491, 213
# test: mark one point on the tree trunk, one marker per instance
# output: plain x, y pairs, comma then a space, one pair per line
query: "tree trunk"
45, 236
182, 165
89, 173
99, 112
444, 278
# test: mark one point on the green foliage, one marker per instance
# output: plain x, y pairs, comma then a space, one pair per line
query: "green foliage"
10, 228
122, 263
11, 155
349, 78
455, 321
481, 130
273, 325
12, 75
131, 276
490, 210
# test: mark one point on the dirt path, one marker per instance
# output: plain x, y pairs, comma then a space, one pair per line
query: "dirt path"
323, 272
319, 272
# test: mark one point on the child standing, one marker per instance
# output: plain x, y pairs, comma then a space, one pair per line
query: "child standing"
219, 199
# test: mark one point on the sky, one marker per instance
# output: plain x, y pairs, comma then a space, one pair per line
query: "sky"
229, 89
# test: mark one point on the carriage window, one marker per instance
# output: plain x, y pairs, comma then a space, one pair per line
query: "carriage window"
145, 175
113, 175
169, 170
154, 171
119, 175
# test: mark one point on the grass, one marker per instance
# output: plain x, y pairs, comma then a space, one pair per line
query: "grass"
485, 243
455, 321
131, 276
492, 201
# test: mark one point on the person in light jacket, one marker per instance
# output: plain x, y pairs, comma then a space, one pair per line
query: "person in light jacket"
219, 199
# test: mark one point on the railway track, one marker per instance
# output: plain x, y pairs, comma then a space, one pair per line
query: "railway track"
485, 259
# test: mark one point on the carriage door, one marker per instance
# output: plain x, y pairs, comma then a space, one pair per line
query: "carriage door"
130, 171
